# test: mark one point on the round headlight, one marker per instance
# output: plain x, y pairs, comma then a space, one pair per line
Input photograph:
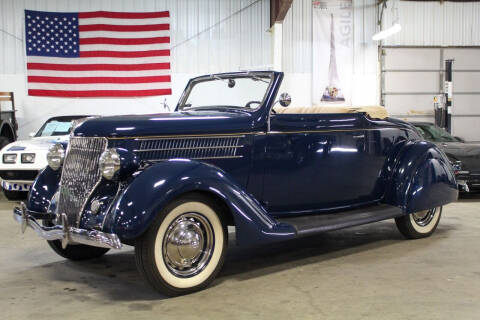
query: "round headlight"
109, 163
55, 156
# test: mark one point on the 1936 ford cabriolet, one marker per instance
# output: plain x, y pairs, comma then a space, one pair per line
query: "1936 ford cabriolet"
231, 154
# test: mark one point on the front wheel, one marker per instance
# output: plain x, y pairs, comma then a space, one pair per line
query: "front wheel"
419, 224
185, 246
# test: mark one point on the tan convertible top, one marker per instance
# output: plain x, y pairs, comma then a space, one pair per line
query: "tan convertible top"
374, 112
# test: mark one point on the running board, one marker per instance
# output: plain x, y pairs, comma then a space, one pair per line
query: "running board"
312, 224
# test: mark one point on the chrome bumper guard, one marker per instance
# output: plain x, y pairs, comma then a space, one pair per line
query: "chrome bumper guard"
65, 233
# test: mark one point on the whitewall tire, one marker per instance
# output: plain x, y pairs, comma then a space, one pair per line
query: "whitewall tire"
185, 247
419, 224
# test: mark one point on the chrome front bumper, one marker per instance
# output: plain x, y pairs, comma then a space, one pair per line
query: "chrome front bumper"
65, 233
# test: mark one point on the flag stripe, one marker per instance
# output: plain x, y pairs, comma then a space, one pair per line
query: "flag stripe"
91, 67
119, 47
93, 60
84, 80
98, 73
122, 28
100, 93
130, 22
123, 15
125, 54
113, 34
99, 86
125, 41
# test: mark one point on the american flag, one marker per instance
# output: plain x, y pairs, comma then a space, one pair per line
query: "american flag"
98, 54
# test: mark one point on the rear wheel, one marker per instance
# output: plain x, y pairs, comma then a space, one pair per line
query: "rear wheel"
420, 224
184, 248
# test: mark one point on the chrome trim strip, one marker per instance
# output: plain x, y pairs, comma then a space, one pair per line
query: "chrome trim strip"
68, 235
213, 135
196, 148
220, 157
243, 134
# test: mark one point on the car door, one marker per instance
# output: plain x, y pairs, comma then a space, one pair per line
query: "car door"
319, 162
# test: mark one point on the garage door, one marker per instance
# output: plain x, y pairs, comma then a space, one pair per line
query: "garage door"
412, 76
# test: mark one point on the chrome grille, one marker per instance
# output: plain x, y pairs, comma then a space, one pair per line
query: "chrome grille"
214, 147
80, 174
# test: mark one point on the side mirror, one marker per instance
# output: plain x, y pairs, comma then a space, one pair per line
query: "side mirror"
285, 99
460, 139
31, 134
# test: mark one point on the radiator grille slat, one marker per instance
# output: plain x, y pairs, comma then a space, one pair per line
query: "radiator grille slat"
215, 147
80, 174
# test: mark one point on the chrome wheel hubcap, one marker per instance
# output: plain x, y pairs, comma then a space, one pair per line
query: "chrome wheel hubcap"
188, 244
423, 218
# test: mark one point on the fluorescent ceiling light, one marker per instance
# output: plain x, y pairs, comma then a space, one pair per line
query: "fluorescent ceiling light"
387, 32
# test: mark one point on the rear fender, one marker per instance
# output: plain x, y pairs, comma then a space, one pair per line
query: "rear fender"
422, 178
156, 186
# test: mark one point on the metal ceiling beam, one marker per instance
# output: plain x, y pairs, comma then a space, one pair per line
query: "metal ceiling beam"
278, 10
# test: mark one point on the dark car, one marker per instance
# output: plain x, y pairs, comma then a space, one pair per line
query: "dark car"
464, 157
230, 155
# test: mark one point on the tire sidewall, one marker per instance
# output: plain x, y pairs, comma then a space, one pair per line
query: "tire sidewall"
211, 269
430, 227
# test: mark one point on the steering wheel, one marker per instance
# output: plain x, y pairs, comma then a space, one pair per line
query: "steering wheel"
250, 102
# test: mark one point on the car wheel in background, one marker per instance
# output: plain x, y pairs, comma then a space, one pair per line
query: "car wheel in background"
184, 249
419, 224
77, 252
15, 195
4, 141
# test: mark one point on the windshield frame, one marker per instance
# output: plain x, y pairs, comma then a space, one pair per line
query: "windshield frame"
265, 75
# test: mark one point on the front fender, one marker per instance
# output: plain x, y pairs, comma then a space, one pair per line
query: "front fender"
159, 184
422, 178
43, 189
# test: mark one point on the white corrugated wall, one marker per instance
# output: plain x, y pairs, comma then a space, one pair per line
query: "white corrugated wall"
208, 36
297, 52
433, 23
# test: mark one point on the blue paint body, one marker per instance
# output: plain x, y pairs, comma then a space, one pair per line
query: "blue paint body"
288, 165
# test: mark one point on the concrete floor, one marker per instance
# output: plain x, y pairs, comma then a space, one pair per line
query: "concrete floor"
368, 272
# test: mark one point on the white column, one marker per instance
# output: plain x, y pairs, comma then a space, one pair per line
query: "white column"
277, 46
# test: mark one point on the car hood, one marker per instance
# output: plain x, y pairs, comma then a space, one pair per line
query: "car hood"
175, 123
34, 144
468, 154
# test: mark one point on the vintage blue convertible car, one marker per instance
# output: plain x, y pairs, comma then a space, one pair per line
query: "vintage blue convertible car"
232, 154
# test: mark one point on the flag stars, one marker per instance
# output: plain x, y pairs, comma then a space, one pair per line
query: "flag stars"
52, 35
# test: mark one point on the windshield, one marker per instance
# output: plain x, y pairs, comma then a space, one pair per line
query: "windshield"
435, 134
222, 91
55, 127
